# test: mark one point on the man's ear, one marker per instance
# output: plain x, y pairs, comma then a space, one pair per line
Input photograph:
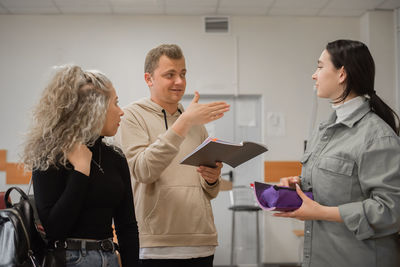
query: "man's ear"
147, 79
342, 75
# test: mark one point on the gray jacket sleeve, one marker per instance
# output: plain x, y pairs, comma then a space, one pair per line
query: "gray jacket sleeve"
379, 176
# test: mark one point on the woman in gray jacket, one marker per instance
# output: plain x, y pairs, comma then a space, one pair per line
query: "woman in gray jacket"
352, 165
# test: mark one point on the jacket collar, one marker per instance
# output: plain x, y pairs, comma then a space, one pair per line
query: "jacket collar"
352, 119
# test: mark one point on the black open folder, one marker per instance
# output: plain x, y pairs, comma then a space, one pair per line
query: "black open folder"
213, 150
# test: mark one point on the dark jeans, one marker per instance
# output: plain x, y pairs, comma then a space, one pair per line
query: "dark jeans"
195, 262
75, 258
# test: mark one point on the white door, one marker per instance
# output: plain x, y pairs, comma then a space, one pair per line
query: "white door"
242, 123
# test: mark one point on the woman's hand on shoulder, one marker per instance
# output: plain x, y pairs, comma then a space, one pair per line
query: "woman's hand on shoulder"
80, 157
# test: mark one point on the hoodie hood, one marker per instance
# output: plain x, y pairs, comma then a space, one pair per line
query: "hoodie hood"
149, 105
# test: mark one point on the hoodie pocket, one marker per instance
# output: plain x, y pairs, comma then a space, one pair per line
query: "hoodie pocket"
180, 210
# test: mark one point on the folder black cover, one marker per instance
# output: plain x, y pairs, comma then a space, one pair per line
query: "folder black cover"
213, 149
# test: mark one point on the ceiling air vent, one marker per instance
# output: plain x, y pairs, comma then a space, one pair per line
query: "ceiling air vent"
216, 24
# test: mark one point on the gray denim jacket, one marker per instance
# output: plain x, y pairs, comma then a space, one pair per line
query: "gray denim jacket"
354, 165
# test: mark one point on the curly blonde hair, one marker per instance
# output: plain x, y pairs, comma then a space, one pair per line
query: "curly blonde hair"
72, 109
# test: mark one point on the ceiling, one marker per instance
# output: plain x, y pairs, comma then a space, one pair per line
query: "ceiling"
199, 7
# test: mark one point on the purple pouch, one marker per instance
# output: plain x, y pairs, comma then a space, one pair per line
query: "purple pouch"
278, 198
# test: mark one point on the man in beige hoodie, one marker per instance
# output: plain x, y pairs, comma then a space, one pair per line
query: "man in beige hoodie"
172, 201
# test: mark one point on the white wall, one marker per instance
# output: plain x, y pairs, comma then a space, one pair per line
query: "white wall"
275, 57
379, 33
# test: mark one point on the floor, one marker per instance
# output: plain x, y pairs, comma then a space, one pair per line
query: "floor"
268, 265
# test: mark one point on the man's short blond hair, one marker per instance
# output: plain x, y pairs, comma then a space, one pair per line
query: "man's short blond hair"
172, 51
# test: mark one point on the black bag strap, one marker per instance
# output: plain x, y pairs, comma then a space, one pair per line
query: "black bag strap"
25, 197
20, 191
9, 205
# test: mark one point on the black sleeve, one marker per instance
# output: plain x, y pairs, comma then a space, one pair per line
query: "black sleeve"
59, 194
125, 222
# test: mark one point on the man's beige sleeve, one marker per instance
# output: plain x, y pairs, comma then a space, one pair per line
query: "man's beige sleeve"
146, 159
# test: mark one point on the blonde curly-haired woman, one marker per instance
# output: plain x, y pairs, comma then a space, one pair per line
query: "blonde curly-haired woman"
82, 185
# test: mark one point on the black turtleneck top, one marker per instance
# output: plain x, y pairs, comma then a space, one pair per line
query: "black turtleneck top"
73, 205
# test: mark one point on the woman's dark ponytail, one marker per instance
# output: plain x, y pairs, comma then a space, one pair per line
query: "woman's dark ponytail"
385, 112
356, 59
